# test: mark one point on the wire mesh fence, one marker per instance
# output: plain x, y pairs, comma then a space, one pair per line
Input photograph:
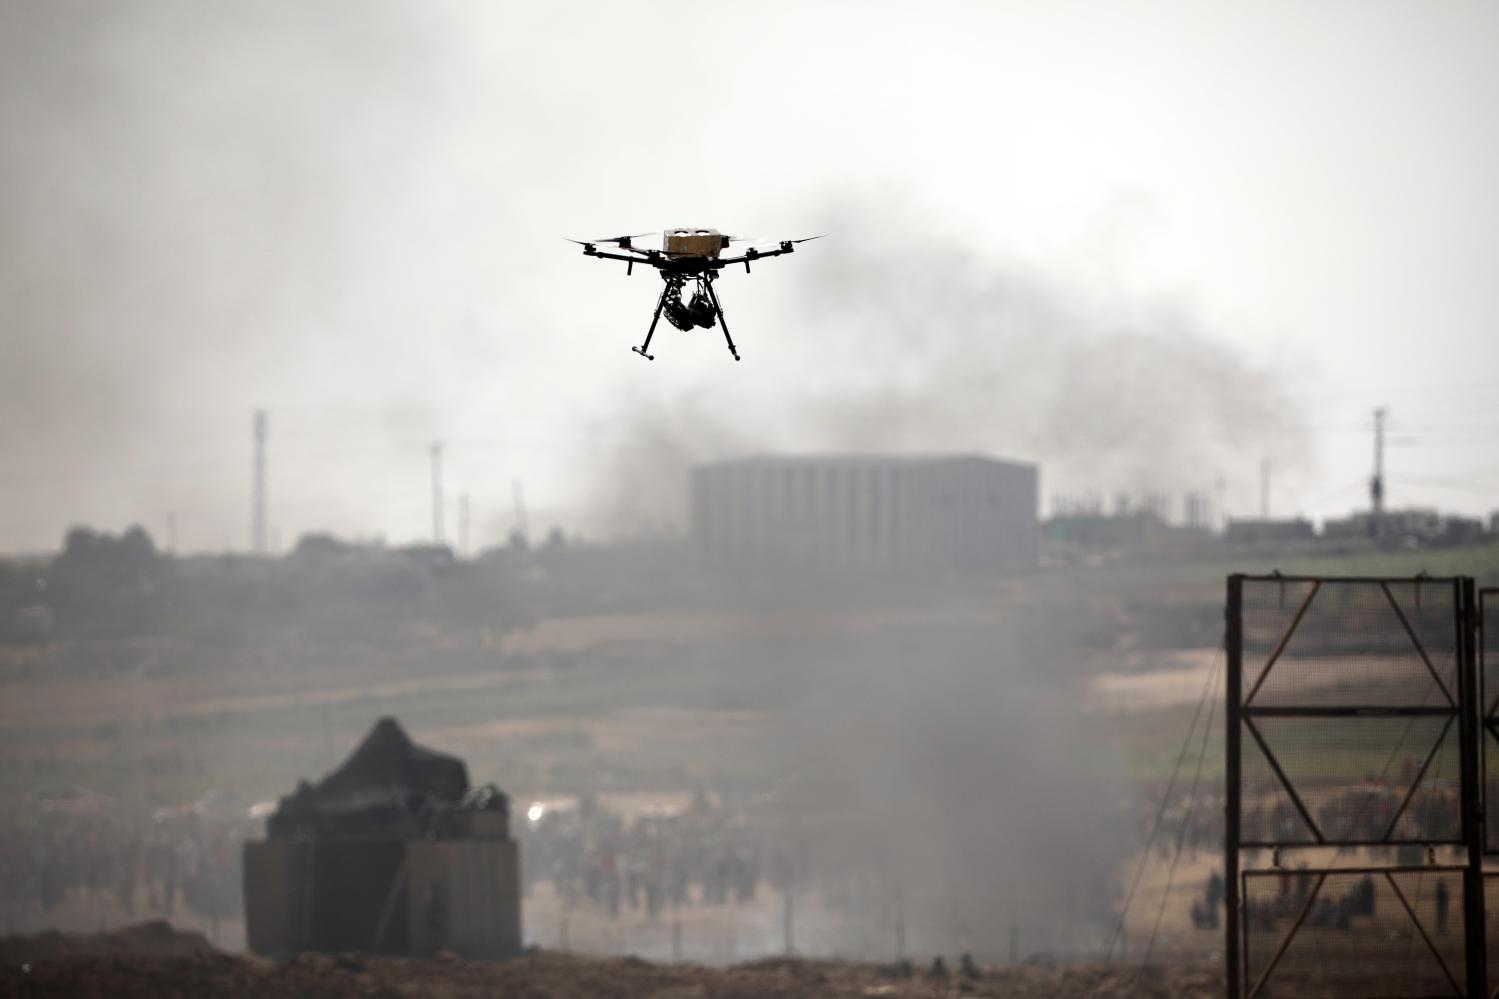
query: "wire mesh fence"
1491, 907
1350, 643
1309, 780
1488, 672
1363, 932
1352, 710
1349, 712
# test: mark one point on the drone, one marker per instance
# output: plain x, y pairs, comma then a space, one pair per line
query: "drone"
686, 255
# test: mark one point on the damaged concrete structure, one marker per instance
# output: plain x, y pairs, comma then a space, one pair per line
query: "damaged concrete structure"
391, 853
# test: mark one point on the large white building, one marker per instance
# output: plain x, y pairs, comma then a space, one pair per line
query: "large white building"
855, 513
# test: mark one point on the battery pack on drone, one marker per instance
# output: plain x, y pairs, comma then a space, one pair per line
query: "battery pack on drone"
696, 242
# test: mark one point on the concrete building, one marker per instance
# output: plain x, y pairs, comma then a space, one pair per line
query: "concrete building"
1253, 531
391, 853
1413, 526
858, 513
1105, 531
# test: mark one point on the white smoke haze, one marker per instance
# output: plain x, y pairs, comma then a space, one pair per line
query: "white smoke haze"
351, 213
967, 792
340, 210
932, 349
183, 241
1137, 396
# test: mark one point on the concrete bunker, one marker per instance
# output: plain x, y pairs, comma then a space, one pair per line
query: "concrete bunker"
391, 853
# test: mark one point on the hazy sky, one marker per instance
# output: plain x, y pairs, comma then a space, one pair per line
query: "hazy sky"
1144, 245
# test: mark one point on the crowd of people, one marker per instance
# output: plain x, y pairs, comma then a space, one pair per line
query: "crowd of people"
1295, 887
132, 867
700, 856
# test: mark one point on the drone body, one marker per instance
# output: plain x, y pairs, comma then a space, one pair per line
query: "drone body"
686, 255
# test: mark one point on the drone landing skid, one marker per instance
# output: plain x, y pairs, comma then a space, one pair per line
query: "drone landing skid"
713, 295
661, 304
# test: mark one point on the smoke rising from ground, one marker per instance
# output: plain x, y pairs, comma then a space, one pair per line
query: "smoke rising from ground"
968, 789
358, 207
924, 346
968, 792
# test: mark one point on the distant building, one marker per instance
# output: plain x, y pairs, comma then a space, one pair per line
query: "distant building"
857, 513
1414, 525
1106, 531
1264, 532
1458, 531
1411, 528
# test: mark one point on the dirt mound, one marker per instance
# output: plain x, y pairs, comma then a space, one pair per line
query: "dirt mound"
560, 976
150, 939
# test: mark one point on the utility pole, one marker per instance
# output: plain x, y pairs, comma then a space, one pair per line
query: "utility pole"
463, 525
437, 492
1376, 484
1265, 489
171, 533
257, 497
521, 524
786, 920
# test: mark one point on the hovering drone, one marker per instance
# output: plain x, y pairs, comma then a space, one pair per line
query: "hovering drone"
686, 255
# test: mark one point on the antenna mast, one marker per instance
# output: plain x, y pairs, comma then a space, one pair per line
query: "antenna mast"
1265, 489
463, 525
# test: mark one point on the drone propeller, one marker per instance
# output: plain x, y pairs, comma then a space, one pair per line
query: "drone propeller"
773, 243
621, 240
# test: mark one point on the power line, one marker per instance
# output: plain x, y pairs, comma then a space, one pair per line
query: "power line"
1181, 836
1165, 801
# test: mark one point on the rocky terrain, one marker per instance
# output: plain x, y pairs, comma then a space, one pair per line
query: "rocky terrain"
152, 960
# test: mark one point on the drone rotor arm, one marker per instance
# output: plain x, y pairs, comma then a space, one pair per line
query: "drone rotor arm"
632, 257
769, 250
753, 254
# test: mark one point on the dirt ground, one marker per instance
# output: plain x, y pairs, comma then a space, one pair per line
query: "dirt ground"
153, 961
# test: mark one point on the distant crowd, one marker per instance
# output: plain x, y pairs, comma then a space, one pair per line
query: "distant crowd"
130, 868
701, 856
